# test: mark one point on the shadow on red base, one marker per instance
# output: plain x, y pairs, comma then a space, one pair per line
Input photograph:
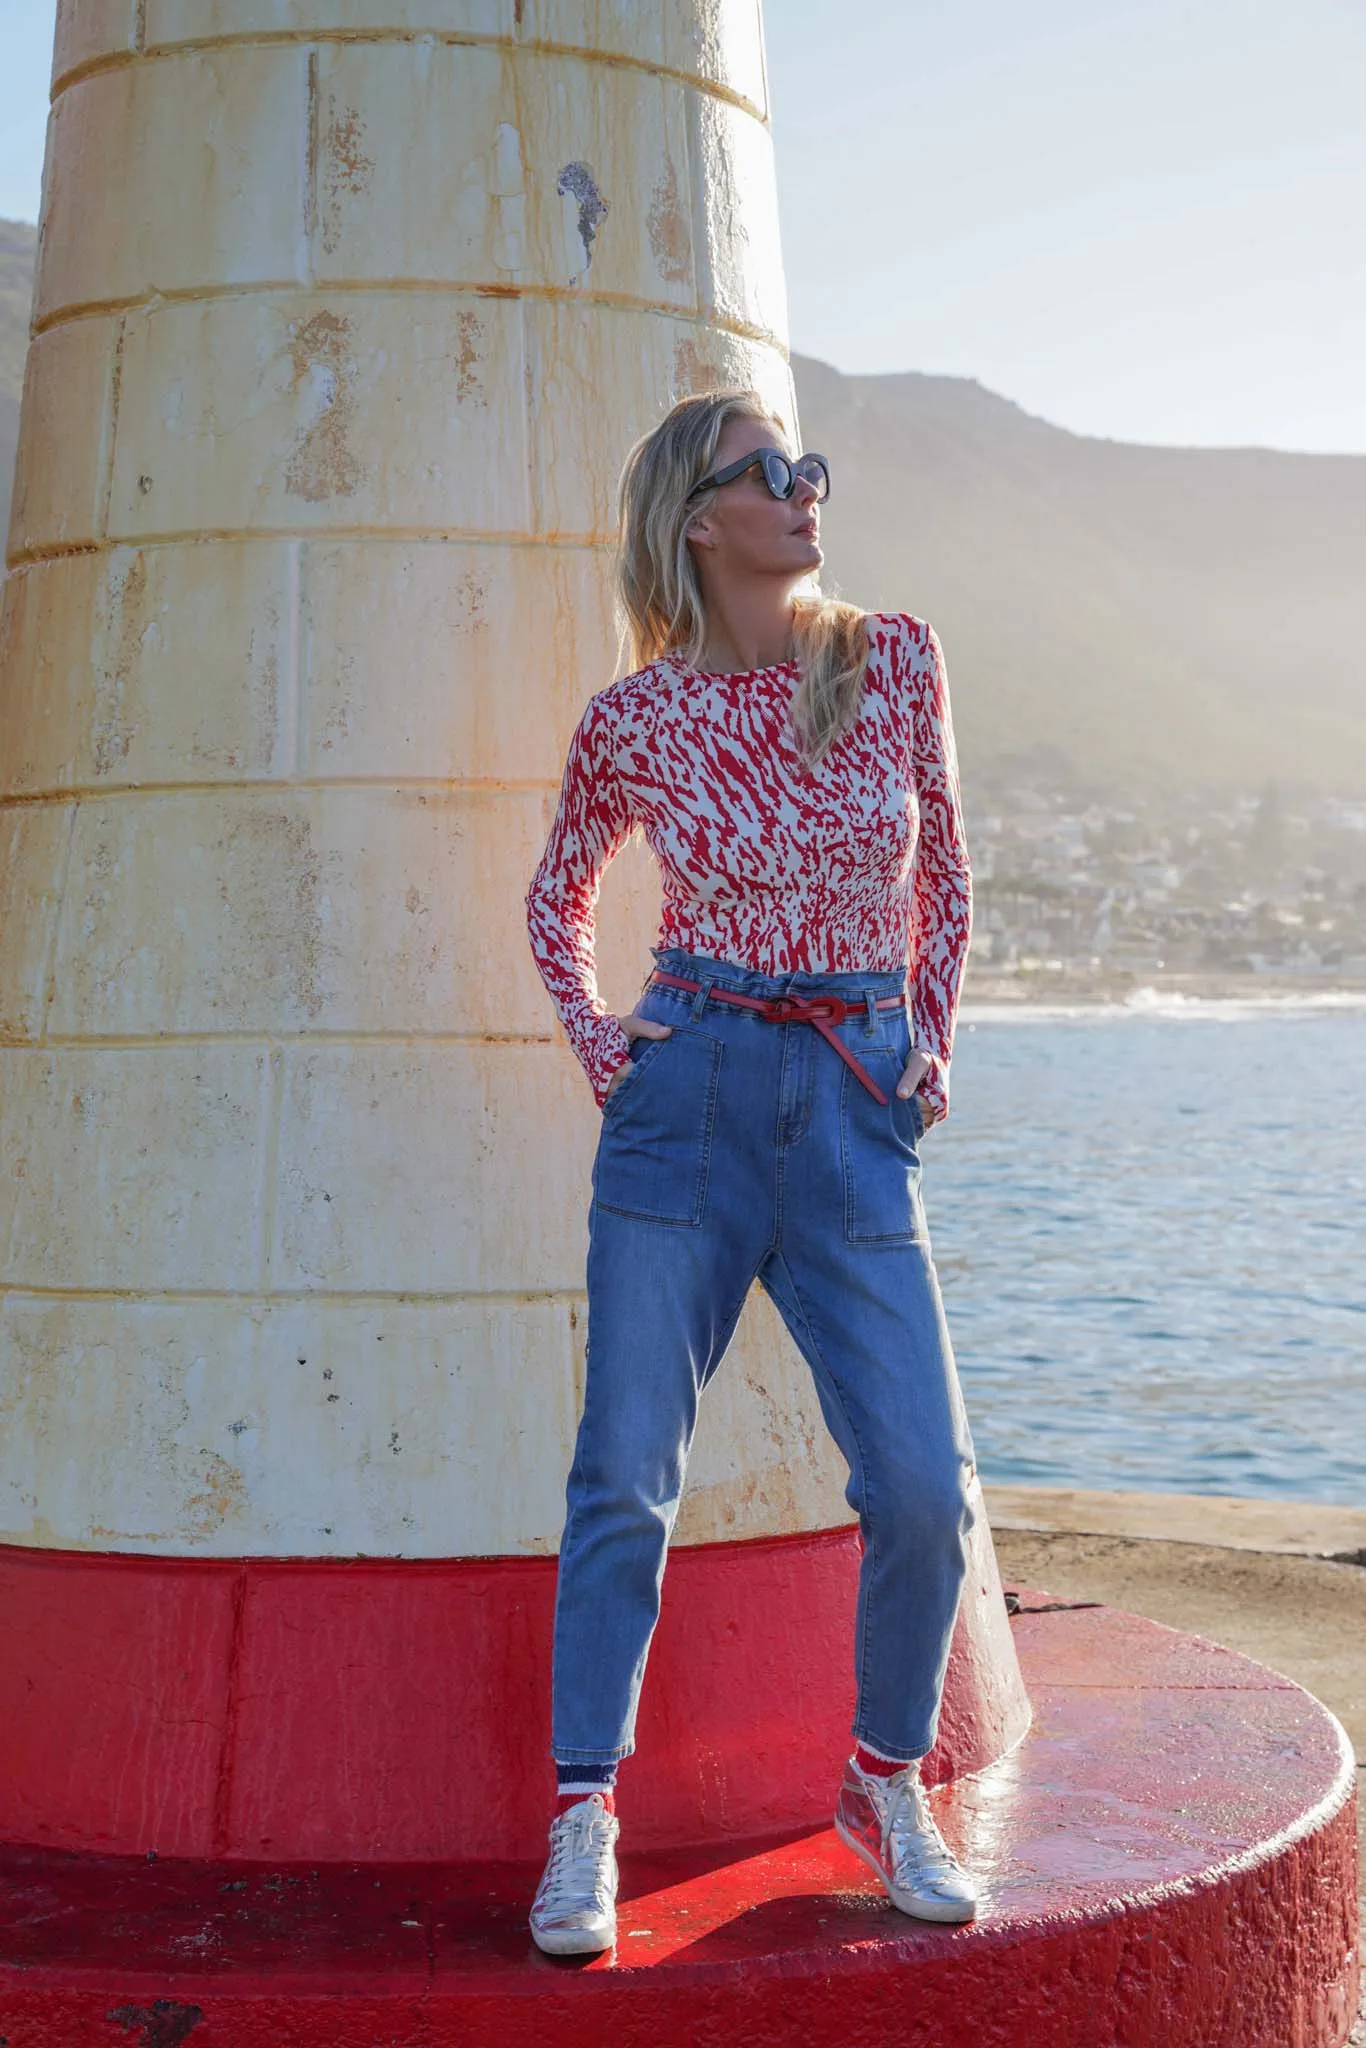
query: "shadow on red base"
1168, 1861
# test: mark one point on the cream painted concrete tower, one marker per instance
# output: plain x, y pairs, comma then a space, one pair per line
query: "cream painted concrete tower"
346, 313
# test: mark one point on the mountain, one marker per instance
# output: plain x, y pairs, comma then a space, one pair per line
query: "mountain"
1112, 615
1123, 615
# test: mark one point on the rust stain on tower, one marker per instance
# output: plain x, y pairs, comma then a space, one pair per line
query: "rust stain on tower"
468, 334
323, 465
667, 227
345, 168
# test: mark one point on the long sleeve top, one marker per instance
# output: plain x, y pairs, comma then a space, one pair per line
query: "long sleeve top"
857, 864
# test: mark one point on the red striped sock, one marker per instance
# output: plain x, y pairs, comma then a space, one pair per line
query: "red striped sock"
876, 1766
568, 1799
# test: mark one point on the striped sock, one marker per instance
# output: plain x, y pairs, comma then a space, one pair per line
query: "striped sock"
579, 1781
875, 1766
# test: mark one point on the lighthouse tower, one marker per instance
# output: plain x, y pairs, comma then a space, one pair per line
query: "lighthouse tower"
346, 313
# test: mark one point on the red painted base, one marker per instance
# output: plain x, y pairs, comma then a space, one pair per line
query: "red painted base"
1168, 1858
329, 1709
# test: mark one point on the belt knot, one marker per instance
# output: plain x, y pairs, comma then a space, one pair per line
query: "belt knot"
806, 1009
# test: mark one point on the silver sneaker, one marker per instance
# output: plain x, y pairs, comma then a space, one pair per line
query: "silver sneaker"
887, 1821
574, 1912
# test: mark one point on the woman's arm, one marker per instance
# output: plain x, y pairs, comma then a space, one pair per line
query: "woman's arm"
941, 903
592, 822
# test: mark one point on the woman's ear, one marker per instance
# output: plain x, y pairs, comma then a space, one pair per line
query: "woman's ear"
699, 529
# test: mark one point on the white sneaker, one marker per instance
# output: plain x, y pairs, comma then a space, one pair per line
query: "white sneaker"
887, 1821
574, 1912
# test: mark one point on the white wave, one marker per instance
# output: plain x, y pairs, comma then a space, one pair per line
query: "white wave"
1167, 1004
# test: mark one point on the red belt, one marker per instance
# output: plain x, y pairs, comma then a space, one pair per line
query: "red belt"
822, 1011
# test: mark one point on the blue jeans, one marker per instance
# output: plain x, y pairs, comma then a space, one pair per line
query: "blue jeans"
737, 1150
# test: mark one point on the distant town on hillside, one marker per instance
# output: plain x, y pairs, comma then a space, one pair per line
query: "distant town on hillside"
1089, 896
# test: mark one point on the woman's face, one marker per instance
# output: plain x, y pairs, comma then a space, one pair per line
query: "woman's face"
746, 530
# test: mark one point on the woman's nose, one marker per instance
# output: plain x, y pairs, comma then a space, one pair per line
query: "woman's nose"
804, 491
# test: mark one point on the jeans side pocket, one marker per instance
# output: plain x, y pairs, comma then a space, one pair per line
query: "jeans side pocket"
882, 1171
654, 1147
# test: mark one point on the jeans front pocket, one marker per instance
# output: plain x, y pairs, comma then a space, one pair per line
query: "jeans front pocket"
878, 1141
654, 1147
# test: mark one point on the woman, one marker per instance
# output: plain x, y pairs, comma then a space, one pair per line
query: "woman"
792, 764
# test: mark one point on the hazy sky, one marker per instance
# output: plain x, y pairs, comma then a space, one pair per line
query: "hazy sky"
1146, 221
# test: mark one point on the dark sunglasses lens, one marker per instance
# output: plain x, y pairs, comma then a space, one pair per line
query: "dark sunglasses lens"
812, 470
777, 473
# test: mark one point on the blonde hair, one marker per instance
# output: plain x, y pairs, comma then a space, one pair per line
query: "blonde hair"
659, 592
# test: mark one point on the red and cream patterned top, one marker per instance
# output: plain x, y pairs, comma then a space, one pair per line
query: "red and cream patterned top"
860, 864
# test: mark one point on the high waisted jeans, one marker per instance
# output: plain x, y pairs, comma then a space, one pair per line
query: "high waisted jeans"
738, 1150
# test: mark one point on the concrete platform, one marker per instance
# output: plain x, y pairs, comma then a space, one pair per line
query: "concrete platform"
1290, 1602
1168, 1856
1293, 1528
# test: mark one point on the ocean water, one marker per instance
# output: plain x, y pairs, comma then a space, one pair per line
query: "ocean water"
1149, 1224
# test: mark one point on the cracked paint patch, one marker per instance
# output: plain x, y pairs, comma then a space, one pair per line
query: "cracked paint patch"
667, 227
468, 335
323, 464
694, 371
279, 886
112, 733
221, 1498
577, 185
345, 169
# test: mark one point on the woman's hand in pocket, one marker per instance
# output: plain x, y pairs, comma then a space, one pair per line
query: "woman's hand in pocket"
917, 1069
635, 1027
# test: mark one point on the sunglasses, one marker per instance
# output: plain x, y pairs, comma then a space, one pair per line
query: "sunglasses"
780, 474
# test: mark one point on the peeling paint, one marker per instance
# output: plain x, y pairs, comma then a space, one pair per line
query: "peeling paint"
694, 370
776, 1497
278, 887
263, 672
323, 464
667, 226
221, 1497
468, 380
344, 168
111, 734
576, 185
